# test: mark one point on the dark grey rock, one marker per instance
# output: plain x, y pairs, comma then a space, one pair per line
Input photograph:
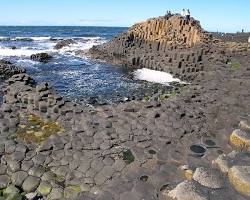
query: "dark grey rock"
31, 183
18, 178
64, 43
41, 57
18, 156
4, 181
37, 171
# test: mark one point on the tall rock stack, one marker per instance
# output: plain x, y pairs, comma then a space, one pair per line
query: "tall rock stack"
170, 44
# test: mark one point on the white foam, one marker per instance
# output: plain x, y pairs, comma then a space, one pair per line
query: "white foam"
18, 52
83, 46
40, 38
155, 76
69, 73
33, 38
27, 61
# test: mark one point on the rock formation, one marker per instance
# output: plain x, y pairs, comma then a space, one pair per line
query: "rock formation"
172, 45
64, 43
41, 57
7, 69
175, 149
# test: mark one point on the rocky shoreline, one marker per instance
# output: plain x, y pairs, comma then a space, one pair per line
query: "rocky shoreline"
194, 144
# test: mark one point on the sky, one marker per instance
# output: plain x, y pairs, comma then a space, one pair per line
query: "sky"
221, 15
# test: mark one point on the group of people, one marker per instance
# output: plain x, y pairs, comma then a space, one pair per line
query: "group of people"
184, 13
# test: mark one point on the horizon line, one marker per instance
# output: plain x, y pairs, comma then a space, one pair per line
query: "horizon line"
107, 26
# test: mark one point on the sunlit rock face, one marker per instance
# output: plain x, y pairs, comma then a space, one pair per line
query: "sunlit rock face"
170, 44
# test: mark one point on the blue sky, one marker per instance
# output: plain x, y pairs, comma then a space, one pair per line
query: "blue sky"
222, 15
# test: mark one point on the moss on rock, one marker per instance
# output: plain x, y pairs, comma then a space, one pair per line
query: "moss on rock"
35, 130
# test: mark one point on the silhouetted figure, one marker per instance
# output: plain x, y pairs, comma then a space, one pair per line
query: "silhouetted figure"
188, 14
168, 14
183, 13
242, 30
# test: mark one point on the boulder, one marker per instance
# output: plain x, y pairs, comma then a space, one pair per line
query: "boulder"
64, 43
41, 57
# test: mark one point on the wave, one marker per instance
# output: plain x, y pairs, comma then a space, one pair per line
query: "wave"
24, 39
18, 52
46, 44
75, 38
82, 46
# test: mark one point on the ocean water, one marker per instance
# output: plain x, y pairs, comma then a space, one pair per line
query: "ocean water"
76, 78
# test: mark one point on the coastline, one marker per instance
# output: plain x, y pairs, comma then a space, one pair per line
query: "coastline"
137, 149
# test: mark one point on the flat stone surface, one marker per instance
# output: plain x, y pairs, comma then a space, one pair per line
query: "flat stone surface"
56, 193
211, 178
239, 177
18, 178
4, 181
240, 139
44, 188
31, 183
188, 190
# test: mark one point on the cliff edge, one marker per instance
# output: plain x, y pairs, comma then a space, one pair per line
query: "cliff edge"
171, 44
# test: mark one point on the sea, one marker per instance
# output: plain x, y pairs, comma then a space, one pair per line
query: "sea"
77, 78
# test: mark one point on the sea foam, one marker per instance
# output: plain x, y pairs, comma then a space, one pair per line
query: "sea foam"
155, 76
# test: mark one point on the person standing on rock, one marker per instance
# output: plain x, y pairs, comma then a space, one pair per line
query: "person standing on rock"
183, 13
188, 14
168, 15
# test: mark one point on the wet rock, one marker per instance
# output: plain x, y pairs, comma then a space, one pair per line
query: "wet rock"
4, 181
14, 166
208, 177
3, 169
56, 193
18, 178
72, 191
18, 156
31, 183
239, 177
7, 69
64, 43
44, 188
41, 57
12, 193
37, 171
